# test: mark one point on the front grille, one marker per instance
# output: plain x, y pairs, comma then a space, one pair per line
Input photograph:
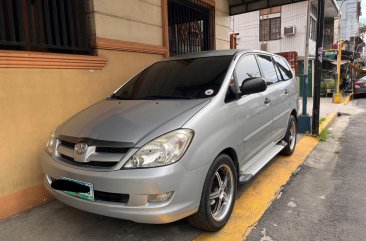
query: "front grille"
111, 149
68, 144
71, 161
107, 153
111, 197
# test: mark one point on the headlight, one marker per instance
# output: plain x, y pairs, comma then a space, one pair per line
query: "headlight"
162, 151
51, 144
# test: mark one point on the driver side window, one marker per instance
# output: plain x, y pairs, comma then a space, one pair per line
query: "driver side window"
246, 67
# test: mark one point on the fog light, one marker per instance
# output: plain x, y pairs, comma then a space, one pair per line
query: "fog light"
158, 198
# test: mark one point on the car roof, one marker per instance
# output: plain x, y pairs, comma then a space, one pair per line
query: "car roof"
213, 53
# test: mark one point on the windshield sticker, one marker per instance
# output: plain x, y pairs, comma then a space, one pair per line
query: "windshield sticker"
209, 92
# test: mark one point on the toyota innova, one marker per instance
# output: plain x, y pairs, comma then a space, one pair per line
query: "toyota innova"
176, 139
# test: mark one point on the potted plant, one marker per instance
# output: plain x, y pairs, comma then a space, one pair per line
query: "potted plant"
323, 88
330, 83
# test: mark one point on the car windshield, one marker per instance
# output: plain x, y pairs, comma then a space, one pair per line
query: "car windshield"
177, 79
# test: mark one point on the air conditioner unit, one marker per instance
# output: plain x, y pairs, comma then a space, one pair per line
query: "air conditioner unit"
264, 46
291, 30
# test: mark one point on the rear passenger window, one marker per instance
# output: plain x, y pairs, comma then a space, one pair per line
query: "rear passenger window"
268, 69
283, 67
247, 67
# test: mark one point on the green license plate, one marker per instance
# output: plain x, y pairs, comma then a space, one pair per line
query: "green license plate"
89, 196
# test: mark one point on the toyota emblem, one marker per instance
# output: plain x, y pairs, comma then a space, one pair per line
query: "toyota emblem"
81, 148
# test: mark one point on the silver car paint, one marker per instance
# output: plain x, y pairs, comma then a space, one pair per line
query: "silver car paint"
244, 126
113, 120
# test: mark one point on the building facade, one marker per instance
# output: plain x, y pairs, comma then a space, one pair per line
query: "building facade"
58, 57
283, 29
349, 22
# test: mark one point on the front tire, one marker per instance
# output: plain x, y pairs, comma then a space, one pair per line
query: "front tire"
290, 137
218, 195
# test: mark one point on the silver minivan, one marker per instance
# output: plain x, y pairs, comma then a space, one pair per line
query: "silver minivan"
176, 139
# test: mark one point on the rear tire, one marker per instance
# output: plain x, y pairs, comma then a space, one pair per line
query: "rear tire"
218, 195
290, 137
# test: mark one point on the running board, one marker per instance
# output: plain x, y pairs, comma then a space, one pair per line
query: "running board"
249, 169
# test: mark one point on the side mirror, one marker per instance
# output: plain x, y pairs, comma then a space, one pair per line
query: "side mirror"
253, 85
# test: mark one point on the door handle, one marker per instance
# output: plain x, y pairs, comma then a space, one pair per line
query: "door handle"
286, 92
266, 101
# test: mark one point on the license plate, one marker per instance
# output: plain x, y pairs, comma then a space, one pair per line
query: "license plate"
89, 196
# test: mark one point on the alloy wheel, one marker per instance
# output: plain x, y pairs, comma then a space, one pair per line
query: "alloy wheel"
222, 192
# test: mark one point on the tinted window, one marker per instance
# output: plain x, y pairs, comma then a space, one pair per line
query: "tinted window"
178, 79
268, 69
247, 67
283, 67
278, 73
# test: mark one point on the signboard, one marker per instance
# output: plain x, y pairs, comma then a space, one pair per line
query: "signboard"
331, 55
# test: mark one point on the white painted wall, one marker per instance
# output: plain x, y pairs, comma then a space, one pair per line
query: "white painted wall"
294, 15
247, 25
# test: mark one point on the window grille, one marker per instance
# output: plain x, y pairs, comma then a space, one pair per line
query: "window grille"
191, 26
45, 25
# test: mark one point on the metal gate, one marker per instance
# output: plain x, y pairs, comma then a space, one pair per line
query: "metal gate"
191, 26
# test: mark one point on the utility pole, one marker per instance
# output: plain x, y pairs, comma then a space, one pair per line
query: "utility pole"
304, 118
337, 98
318, 67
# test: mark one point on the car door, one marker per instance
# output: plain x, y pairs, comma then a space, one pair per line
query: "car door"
256, 114
274, 90
281, 98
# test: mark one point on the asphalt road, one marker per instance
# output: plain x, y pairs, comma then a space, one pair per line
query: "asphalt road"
58, 222
326, 199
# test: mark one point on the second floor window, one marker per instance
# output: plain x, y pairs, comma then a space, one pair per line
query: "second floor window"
270, 24
312, 29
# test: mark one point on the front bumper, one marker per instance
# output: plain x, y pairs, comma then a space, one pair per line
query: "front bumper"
138, 184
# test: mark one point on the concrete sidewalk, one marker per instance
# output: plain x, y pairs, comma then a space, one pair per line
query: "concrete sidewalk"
326, 106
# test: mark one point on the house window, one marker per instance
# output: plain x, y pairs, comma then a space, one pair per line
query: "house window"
60, 26
312, 29
314, 10
191, 26
270, 24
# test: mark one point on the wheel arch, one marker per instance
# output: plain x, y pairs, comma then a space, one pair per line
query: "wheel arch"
294, 113
232, 154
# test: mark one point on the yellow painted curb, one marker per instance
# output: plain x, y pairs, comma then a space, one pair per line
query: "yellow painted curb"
328, 120
347, 99
263, 189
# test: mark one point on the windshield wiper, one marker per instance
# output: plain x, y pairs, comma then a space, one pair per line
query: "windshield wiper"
154, 97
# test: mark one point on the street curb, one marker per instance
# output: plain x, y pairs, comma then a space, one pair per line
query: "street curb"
347, 99
263, 189
328, 121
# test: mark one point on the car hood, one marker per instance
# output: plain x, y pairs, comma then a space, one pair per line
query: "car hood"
130, 121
